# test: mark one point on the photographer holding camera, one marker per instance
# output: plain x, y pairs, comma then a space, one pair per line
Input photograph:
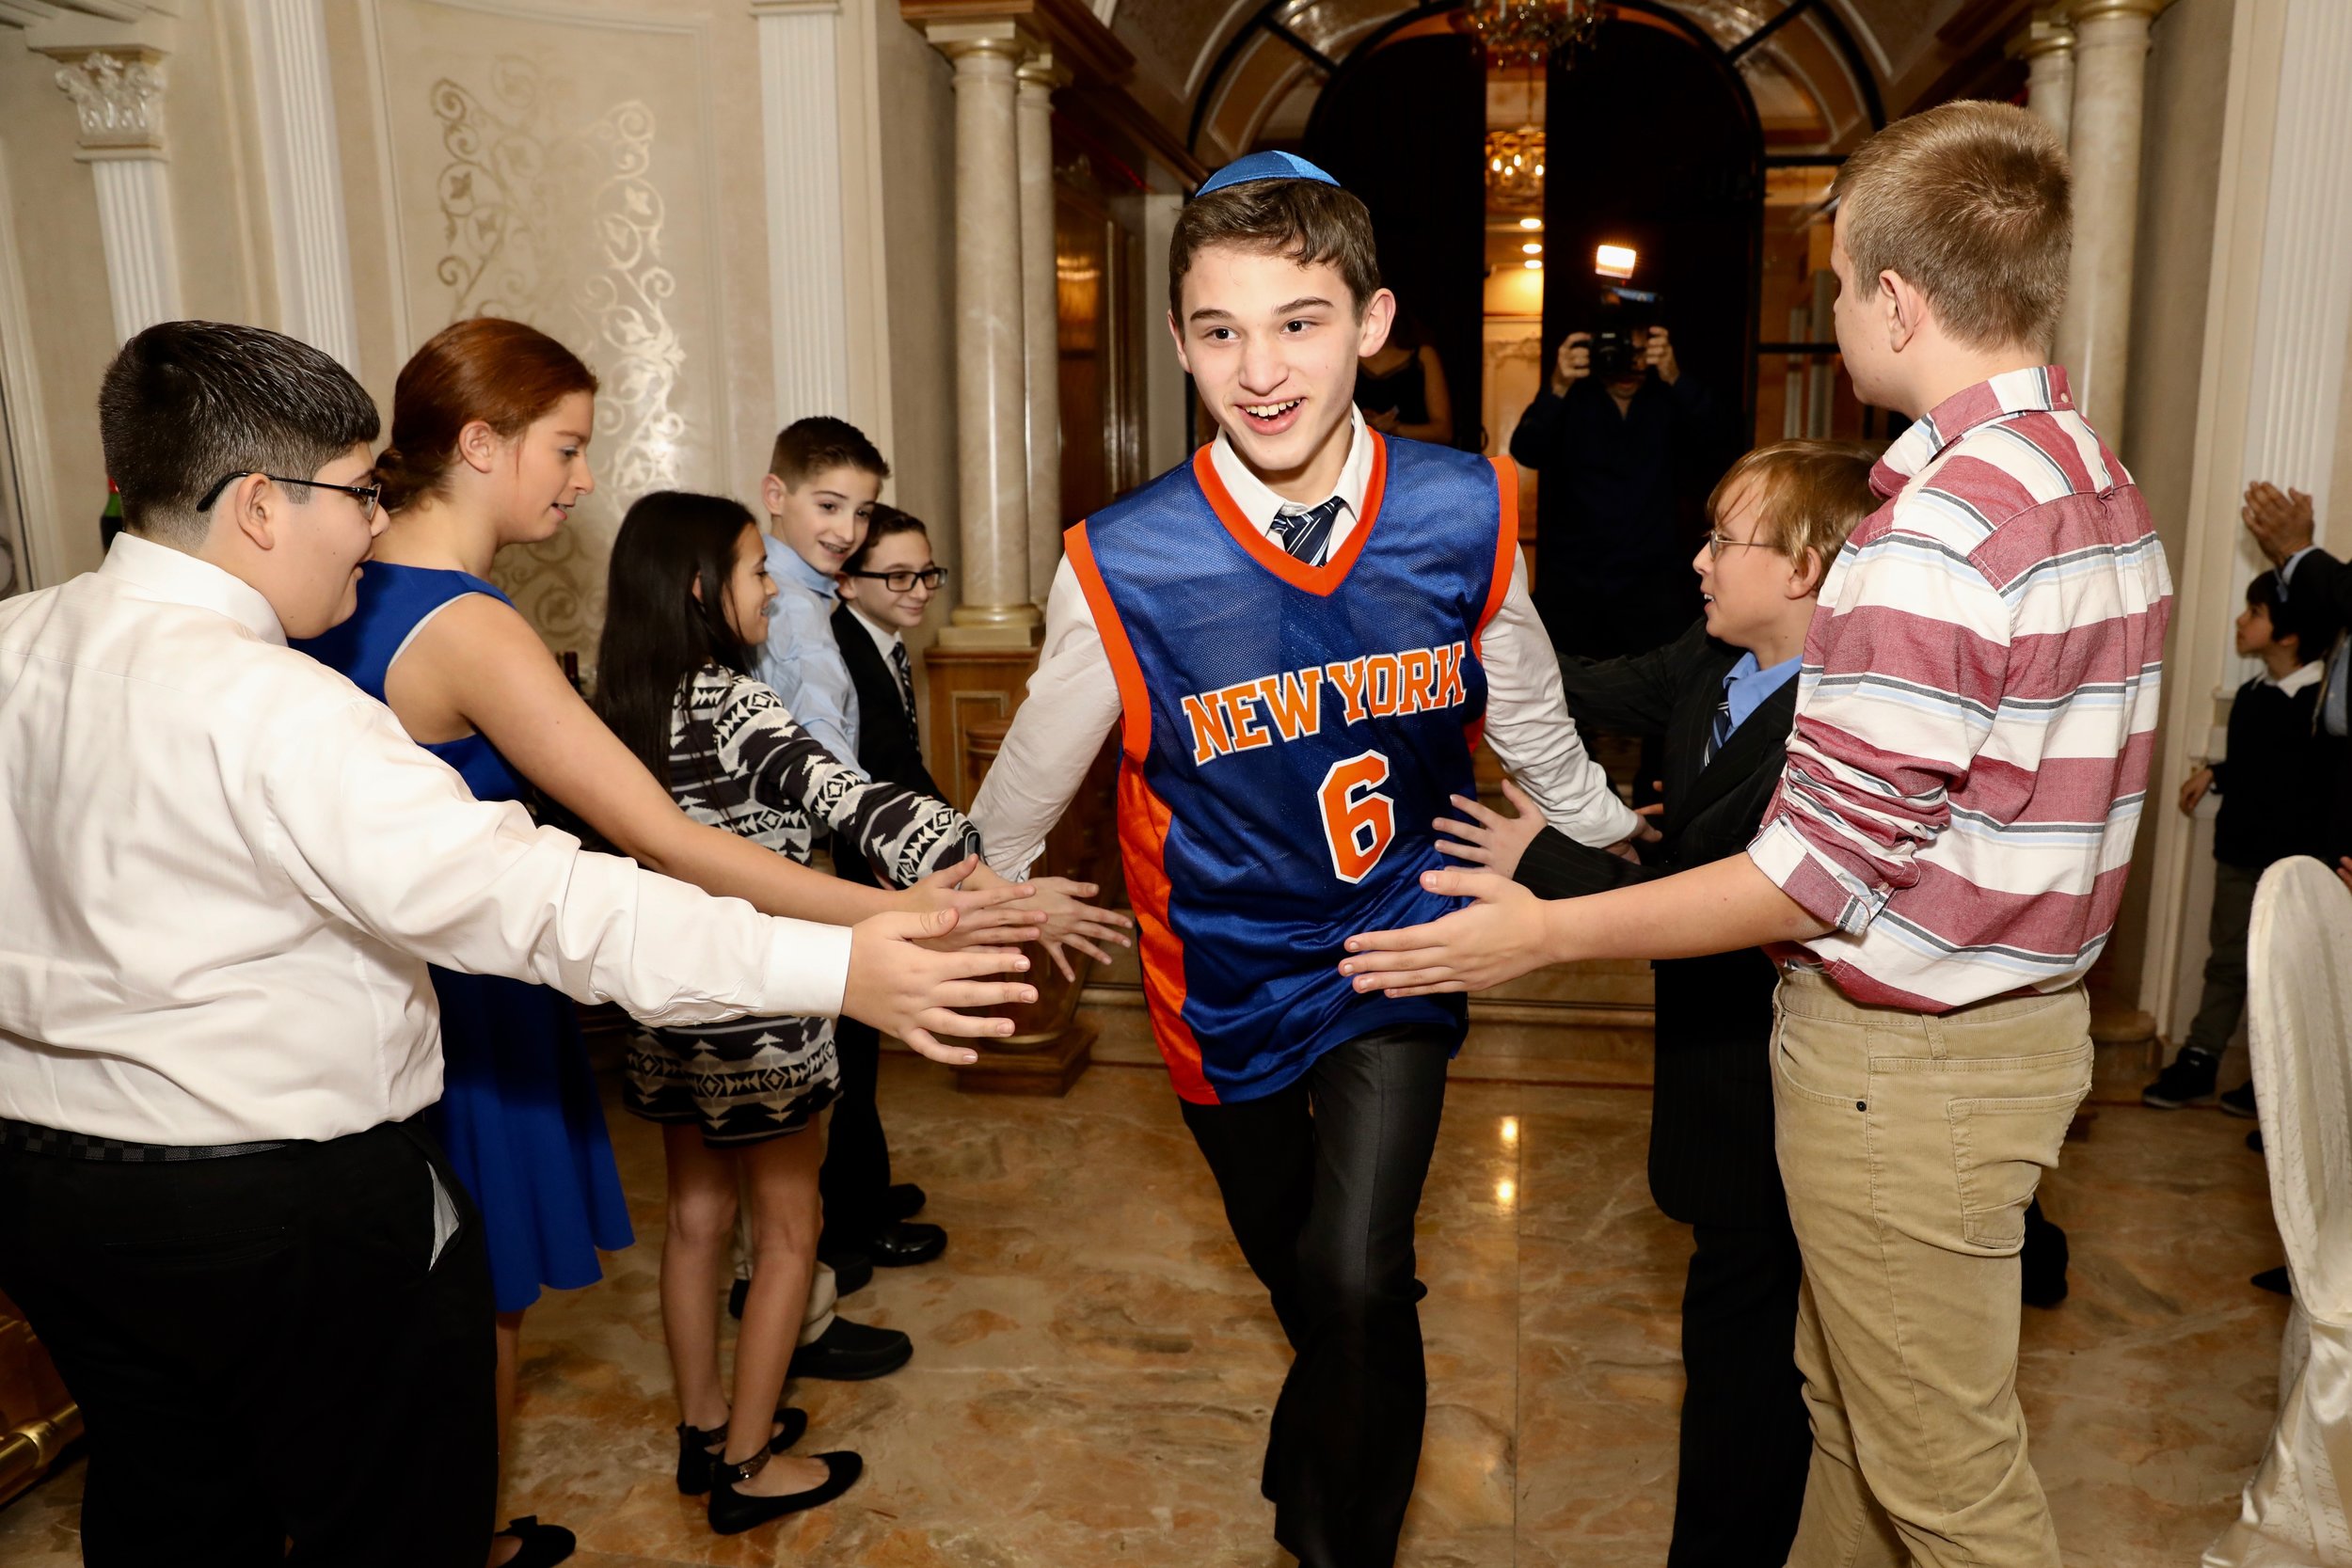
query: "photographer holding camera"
1628, 446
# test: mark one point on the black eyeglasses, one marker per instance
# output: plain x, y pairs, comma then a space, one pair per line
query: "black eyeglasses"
903, 583
368, 495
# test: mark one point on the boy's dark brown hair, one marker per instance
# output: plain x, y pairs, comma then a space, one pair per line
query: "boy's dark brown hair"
1812, 494
883, 522
1305, 221
1972, 203
813, 445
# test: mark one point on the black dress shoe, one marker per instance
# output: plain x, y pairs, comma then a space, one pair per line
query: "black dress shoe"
697, 1448
732, 1512
903, 1201
543, 1546
2277, 1281
738, 1293
902, 1245
851, 1353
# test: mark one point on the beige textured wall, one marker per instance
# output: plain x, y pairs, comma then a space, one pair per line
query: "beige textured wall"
2188, 70
918, 147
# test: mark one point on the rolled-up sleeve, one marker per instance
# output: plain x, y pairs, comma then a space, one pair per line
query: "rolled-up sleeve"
381, 835
1904, 669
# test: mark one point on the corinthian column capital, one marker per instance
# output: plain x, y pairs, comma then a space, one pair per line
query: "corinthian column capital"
118, 99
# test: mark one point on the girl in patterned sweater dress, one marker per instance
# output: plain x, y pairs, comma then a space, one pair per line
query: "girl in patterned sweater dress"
738, 1102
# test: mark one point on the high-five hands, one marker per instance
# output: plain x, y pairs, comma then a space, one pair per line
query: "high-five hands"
1489, 838
985, 910
1060, 905
902, 988
1499, 937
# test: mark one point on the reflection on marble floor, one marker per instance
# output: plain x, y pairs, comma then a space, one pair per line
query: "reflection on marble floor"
1094, 1366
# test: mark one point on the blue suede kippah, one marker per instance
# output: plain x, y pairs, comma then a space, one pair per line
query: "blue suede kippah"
1264, 166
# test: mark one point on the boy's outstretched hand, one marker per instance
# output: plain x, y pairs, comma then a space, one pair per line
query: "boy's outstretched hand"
903, 989
984, 909
1070, 922
1499, 937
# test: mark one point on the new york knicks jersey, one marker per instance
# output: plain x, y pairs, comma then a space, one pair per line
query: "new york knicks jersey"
1287, 735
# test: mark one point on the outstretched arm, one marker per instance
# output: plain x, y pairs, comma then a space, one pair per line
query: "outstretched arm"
1507, 931
1071, 705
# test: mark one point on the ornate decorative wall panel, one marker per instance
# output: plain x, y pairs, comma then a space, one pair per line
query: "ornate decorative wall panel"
557, 167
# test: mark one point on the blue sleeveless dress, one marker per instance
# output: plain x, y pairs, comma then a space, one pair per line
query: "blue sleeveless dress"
519, 1113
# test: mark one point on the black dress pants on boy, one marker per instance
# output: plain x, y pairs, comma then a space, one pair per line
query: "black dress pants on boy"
1746, 1439
265, 1348
1320, 1182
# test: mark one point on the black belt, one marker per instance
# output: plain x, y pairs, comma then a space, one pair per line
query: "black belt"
24, 1137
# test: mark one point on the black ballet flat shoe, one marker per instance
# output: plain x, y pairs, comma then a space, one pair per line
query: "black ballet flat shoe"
732, 1512
695, 1461
543, 1546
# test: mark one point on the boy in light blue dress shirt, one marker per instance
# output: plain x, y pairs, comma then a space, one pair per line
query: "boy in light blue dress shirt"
823, 479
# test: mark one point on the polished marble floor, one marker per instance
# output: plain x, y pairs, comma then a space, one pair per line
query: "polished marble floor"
1094, 1365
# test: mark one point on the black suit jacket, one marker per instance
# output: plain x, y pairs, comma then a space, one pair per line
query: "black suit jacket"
889, 747
2321, 591
1711, 1149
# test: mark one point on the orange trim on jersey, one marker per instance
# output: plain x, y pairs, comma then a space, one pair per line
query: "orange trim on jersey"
1143, 821
1506, 541
1135, 699
1321, 580
1506, 557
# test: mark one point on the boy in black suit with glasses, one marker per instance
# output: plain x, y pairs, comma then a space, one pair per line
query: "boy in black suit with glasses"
1721, 697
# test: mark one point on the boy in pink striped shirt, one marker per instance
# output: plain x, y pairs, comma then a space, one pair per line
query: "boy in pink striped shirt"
1946, 854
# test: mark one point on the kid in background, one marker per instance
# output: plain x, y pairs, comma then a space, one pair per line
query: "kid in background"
2270, 784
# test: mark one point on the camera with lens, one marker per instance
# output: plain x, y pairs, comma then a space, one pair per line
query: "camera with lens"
1620, 345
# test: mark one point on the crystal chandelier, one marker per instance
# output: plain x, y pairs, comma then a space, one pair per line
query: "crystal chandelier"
1530, 32
1515, 169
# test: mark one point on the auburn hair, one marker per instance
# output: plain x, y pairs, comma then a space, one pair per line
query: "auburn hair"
1972, 203
502, 372
1810, 494
1304, 221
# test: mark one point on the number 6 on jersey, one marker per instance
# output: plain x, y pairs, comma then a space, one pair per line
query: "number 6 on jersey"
1357, 820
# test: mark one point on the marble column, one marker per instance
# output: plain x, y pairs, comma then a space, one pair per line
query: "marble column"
800, 119
302, 170
118, 99
991, 372
1040, 318
2110, 81
2047, 47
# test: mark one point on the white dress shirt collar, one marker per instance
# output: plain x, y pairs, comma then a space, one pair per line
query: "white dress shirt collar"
1261, 505
2297, 678
176, 577
885, 638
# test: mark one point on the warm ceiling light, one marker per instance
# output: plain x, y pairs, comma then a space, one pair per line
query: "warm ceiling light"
1532, 249
1614, 261
1531, 223
1534, 265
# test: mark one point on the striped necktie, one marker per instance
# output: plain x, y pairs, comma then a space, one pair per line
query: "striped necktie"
905, 668
1307, 532
1720, 731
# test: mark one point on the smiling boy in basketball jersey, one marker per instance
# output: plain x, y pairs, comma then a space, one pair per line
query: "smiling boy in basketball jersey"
1300, 634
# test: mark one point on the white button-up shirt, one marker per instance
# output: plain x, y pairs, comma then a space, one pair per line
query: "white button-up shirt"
223, 869
1073, 698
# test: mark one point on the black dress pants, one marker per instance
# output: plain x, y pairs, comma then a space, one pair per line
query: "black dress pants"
855, 1177
1746, 1440
264, 1350
1320, 1182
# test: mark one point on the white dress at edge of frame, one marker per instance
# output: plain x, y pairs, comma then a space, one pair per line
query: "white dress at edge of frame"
2299, 952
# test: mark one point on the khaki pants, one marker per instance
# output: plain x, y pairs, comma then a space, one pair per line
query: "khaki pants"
1911, 1145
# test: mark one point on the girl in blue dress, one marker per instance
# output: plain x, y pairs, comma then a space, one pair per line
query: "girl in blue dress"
490, 426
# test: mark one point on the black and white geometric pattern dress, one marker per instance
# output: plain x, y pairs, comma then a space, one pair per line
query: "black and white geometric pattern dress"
738, 762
